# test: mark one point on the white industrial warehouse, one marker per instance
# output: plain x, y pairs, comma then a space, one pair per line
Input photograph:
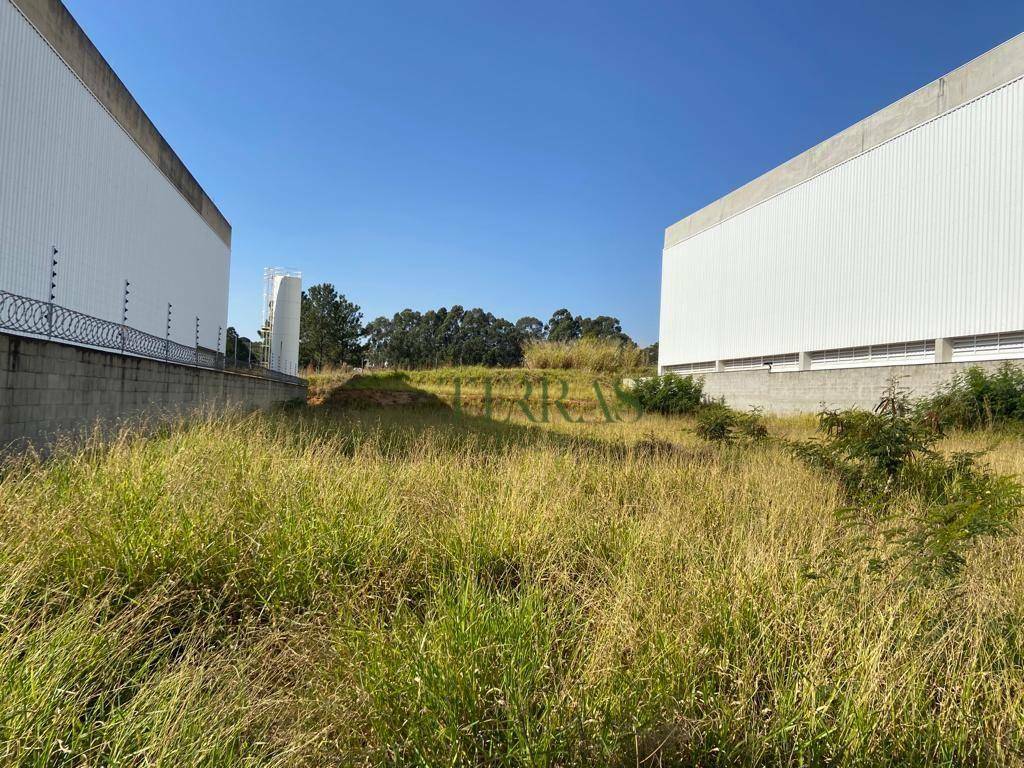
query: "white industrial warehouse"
98, 214
899, 241
89, 175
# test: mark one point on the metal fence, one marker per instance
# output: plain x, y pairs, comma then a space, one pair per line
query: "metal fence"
45, 319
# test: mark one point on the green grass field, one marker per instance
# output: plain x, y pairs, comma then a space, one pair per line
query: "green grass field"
350, 583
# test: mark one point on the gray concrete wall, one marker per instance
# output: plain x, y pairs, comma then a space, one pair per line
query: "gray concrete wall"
810, 391
48, 389
992, 69
58, 27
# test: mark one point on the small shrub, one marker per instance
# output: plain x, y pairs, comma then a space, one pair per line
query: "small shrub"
976, 398
869, 450
716, 423
650, 445
751, 426
927, 509
960, 502
669, 394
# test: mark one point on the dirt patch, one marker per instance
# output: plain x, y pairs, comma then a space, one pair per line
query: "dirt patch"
372, 398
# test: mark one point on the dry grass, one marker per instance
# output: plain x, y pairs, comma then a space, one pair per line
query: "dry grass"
330, 586
595, 355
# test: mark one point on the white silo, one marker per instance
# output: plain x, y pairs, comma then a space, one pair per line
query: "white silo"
282, 307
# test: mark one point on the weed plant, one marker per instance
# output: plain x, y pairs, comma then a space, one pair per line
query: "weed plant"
924, 511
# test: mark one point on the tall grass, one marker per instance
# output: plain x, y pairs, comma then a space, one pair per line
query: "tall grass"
598, 355
394, 587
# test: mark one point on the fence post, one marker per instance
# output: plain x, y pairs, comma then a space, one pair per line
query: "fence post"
197, 341
124, 315
53, 292
218, 363
167, 336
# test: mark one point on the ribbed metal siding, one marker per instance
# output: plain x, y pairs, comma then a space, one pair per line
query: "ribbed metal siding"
71, 178
922, 237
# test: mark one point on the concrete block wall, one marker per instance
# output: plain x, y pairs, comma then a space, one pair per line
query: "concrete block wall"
48, 389
785, 392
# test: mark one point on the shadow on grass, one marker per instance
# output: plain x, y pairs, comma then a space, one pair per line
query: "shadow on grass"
378, 391
392, 403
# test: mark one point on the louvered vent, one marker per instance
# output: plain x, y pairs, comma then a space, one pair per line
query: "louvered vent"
990, 346
707, 365
787, 362
903, 353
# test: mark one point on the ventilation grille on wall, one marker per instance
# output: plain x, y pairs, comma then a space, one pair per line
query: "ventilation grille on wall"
990, 346
904, 353
788, 362
705, 367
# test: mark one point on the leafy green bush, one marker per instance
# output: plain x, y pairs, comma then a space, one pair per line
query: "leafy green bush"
751, 426
976, 398
870, 451
959, 501
718, 423
670, 394
926, 509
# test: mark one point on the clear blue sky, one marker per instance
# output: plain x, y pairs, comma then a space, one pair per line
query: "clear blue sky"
515, 156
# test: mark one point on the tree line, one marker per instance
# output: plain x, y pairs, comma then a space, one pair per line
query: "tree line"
332, 332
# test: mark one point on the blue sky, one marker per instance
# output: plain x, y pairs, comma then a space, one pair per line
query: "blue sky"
516, 156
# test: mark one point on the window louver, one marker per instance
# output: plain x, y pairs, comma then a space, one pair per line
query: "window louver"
904, 353
704, 367
788, 362
989, 346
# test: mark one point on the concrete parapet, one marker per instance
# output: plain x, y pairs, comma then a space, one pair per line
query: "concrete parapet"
999, 66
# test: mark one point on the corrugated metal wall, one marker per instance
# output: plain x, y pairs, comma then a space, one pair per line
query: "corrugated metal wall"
920, 238
71, 178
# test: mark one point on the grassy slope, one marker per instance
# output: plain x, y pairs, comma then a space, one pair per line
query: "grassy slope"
398, 586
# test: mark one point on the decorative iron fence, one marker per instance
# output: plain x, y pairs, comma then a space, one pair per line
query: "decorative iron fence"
36, 317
